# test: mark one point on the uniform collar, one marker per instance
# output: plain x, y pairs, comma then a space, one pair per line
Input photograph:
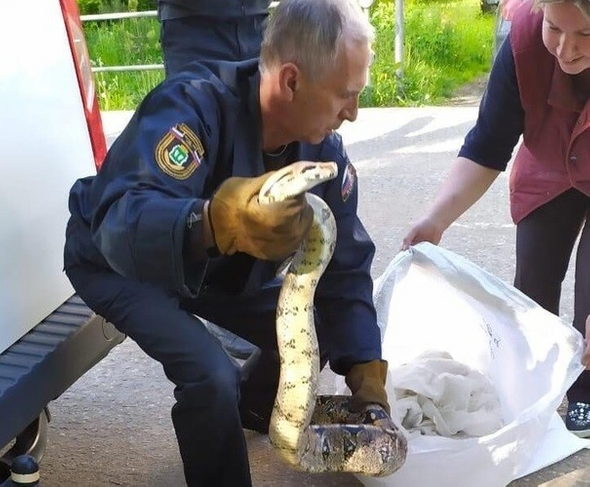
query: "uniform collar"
247, 159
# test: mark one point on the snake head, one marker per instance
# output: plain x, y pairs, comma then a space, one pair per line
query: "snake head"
295, 179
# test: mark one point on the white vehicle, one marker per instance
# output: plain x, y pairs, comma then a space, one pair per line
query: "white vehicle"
50, 135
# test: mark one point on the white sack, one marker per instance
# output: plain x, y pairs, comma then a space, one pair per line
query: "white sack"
431, 299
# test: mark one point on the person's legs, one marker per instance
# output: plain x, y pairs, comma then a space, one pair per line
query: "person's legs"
579, 393
254, 318
205, 416
544, 244
188, 39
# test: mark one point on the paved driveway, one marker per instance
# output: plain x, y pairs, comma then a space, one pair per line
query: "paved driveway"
113, 426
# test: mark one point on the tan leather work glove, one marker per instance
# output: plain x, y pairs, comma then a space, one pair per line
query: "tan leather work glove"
270, 231
367, 384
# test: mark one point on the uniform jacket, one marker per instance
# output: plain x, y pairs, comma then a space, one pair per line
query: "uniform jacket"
190, 134
555, 153
171, 9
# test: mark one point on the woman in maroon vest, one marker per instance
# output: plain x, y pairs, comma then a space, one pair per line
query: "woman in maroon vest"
539, 88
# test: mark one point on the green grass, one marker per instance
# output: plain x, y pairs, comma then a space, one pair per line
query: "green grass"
124, 42
447, 43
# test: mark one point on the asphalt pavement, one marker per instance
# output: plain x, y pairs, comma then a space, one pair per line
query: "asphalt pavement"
113, 426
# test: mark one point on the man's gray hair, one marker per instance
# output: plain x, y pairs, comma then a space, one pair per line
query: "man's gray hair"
583, 5
310, 34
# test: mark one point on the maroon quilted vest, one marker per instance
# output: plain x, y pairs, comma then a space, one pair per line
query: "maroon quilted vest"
555, 153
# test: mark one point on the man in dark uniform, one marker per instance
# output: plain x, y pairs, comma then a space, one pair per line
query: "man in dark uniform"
195, 30
221, 30
170, 230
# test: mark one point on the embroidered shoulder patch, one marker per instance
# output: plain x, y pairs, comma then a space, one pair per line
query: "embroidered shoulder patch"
348, 181
179, 152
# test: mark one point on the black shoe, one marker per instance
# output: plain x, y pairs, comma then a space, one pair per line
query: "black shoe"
250, 363
258, 391
255, 422
577, 419
234, 345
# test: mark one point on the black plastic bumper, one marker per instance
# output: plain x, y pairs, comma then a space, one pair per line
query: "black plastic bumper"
48, 360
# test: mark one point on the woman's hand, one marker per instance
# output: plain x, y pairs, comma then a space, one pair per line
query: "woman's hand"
423, 230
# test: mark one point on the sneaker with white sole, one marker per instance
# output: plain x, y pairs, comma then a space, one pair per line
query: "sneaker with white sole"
577, 419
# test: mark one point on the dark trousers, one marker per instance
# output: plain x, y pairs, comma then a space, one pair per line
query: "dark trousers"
544, 243
188, 39
212, 402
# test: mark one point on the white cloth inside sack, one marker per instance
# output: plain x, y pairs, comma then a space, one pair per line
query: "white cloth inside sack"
436, 394
432, 299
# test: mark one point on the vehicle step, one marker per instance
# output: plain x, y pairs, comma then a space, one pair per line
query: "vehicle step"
47, 360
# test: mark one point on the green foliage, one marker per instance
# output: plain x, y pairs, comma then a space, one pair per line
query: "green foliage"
124, 42
124, 91
87, 7
447, 43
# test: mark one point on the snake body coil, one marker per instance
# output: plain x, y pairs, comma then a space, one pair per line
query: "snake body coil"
319, 434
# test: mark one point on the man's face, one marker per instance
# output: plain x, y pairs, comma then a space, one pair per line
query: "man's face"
322, 105
566, 35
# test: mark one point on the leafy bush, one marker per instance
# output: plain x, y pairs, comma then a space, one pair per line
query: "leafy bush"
447, 43
124, 42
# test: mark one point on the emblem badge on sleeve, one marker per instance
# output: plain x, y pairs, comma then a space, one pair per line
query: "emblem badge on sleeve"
179, 152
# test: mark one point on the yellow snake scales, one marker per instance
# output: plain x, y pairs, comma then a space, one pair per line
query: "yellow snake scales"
310, 432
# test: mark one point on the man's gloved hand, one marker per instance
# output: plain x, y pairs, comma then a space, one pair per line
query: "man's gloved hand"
240, 224
367, 384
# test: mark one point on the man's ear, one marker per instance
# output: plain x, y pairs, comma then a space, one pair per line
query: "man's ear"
289, 80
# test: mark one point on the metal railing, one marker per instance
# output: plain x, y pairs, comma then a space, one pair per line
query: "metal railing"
129, 15
154, 13
120, 16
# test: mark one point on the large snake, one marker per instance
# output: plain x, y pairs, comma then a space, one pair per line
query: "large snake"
310, 432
